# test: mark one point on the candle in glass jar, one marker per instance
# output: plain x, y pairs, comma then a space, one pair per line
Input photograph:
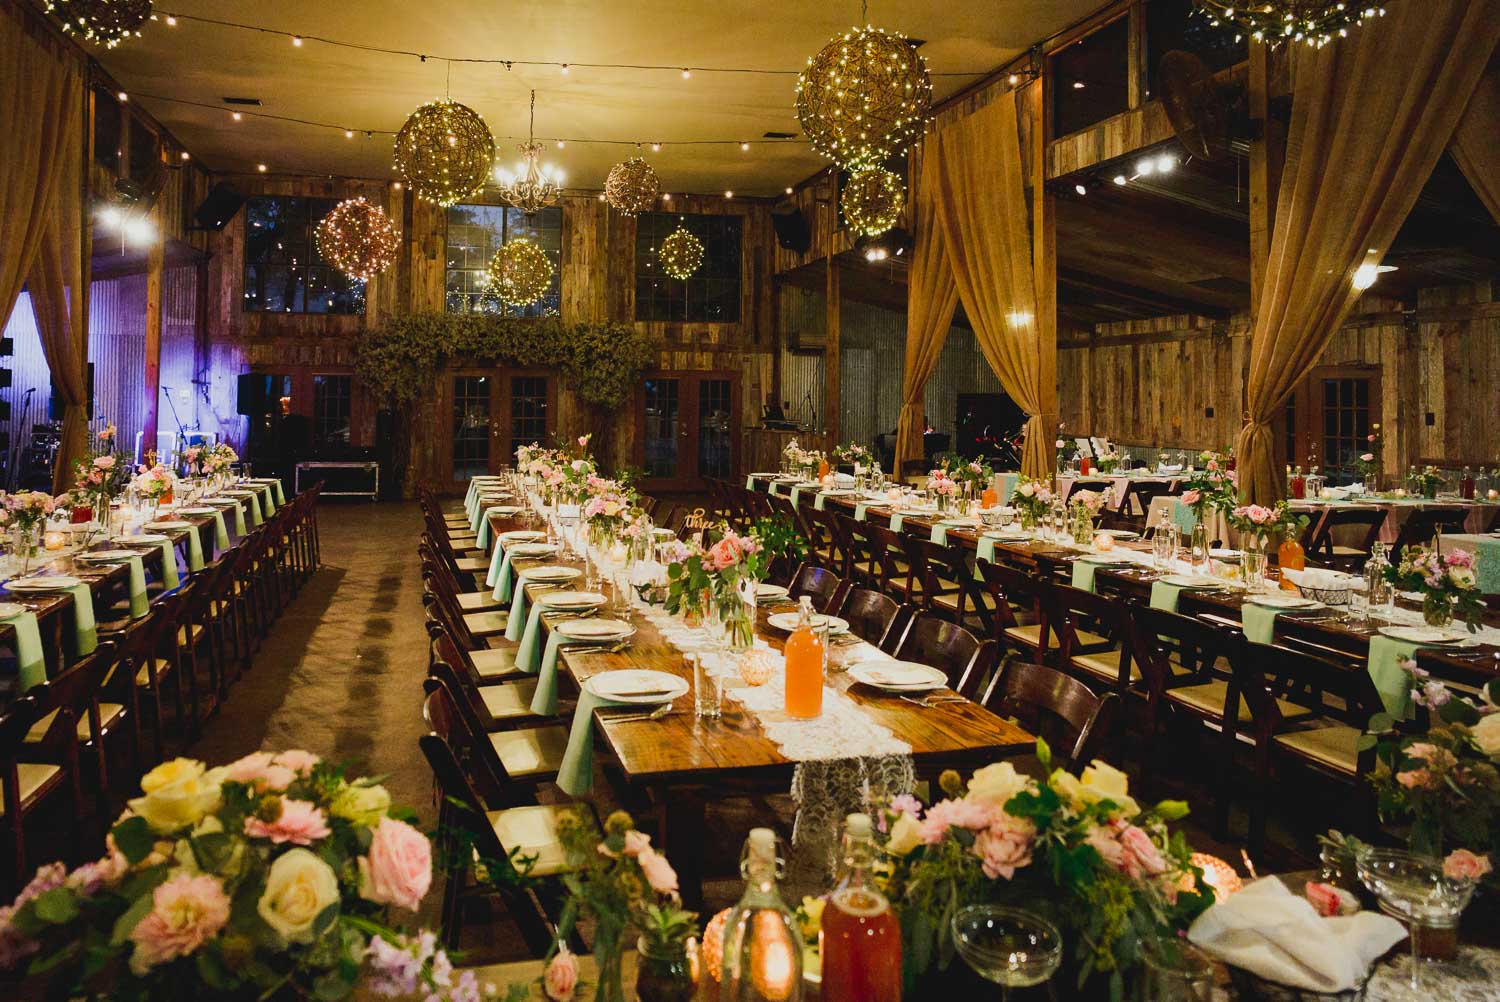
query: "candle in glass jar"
54, 540
1104, 542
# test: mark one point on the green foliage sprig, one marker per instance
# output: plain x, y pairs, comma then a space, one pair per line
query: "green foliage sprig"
601, 362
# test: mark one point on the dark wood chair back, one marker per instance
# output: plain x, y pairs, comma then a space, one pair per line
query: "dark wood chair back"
1320, 544
1423, 525
951, 649
875, 618
822, 585
1058, 708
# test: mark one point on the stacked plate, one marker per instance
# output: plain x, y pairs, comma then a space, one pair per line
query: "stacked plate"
144, 539
532, 550
522, 536
788, 621
1426, 634
1104, 559
169, 525
571, 600
56, 582
551, 572
637, 685
770, 592
106, 556
898, 676
1119, 533
197, 511
594, 631
1198, 582
1283, 601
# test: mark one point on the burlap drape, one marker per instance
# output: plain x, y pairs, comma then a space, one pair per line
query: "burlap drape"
1476, 142
980, 208
931, 299
1370, 117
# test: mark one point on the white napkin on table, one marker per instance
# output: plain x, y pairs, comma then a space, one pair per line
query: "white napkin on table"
1275, 934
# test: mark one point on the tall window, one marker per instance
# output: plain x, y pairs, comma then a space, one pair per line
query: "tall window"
528, 411
471, 426
475, 233
1346, 423
709, 295
331, 411
284, 273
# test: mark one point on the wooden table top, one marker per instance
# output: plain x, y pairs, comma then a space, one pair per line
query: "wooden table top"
682, 748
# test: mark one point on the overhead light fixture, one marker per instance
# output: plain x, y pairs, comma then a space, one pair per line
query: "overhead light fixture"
894, 242
110, 216
297, 41
1081, 189
236, 115
123, 96
1146, 168
686, 73
139, 230
1366, 274
1120, 179
1166, 163
261, 168
533, 186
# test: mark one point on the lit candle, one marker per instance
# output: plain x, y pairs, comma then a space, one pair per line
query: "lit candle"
1104, 542
1217, 874
54, 540
772, 966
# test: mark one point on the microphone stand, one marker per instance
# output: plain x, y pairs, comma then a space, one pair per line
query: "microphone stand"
15, 446
181, 431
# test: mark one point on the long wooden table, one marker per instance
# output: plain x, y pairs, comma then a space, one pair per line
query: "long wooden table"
681, 759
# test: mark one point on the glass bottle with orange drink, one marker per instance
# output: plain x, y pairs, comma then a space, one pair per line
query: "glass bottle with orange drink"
860, 938
804, 666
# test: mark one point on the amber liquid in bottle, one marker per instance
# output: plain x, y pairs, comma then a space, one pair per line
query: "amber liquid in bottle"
804, 667
861, 938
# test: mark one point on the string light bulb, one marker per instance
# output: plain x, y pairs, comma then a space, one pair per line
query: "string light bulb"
103, 22
1314, 22
236, 116
687, 74
656, 147
297, 41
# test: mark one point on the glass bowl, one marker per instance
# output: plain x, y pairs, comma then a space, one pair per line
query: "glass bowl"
1010, 946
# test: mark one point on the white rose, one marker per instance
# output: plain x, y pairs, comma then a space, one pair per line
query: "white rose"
298, 887
1102, 781
996, 784
1487, 735
1027, 490
906, 835
364, 805
1462, 577
178, 793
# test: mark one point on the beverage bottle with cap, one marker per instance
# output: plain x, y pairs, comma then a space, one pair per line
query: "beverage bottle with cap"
860, 938
762, 941
804, 666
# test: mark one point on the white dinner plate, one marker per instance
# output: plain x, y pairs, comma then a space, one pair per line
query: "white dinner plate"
916, 512
55, 582
571, 599
106, 556
551, 572
144, 539
1225, 553
503, 509
532, 550
1197, 582
1426, 634
962, 523
788, 621
1283, 602
1119, 533
1012, 536
197, 511
521, 536
10, 610
1104, 559
219, 502
601, 630
770, 592
637, 685
898, 676
838, 492
170, 525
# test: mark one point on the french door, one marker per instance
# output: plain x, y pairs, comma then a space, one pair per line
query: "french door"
687, 429
488, 413
1329, 418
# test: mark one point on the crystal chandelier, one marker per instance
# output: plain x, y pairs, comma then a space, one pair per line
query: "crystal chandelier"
532, 185
1313, 22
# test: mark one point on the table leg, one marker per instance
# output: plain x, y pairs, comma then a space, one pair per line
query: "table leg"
682, 841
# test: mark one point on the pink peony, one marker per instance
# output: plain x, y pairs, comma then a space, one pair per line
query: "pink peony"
398, 870
1142, 857
947, 814
1324, 898
186, 911
659, 873
300, 823
1005, 846
259, 769
1462, 864
300, 762
561, 977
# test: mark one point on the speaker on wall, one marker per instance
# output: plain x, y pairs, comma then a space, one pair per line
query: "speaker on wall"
251, 398
55, 401
218, 208
792, 230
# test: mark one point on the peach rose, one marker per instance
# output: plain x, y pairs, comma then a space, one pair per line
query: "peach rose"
1141, 854
1462, 864
659, 873
299, 761
398, 870
259, 769
561, 977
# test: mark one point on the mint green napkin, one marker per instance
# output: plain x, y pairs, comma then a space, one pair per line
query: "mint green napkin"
221, 533
1183, 516
1487, 564
1259, 622
526, 654
139, 603
504, 576
544, 702
1008, 482
169, 576
270, 503
983, 550
796, 494
1391, 680
195, 550
483, 536
750, 483
33, 665
280, 493
939, 533
238, 511
515, 627
776, 488
85, 631
255, 516
575, 775
497, 562
860, 508
1164, 596
897, 519
820, 500
1083, 574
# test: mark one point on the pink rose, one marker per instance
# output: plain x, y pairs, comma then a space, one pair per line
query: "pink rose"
1107, 846
1191, 498
259, 769
1325, 898
1415, 779
659, 873
1005, 846
185, 912
300, 762
1368, 457
1369, 438
398, 870
637, 843
105, 462
1213, 464
561, 976
723, 554
300, 823
1462, 864
947, 814
1142, 857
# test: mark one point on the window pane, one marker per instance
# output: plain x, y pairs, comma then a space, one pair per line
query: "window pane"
284, 273
1181, 24
331, 411
1091, 78
106, 129
475, 233
528, 411
471, 426
715, 448
662, 425
709, 295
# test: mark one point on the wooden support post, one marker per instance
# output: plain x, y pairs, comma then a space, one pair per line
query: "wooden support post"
831, 363
1044, 256
151, 390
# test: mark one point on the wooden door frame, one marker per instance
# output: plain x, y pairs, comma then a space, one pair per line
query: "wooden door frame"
500, 401
687, 401
1309, 400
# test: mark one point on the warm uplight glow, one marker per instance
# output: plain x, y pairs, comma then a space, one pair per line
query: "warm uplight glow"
772, 967
261, 168
1014, 79
1019, 318
1078, 85
1166, 163
1365, 276
1146, 168
1217, 874
139, 231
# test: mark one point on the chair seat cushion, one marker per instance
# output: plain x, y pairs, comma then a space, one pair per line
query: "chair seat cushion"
531, 751
143, 677
1336, 747
188, 636
509, 701
1210, 698
533, 831
34, 777
107, 713
1026, 636
473, 564
478, 601
1104, 665
494, 663
487, 624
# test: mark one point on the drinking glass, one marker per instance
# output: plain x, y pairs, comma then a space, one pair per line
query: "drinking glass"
1359, 605
1253, 562
1415, 889
708, 688
1174, 971
1009, 946
1161, 547
1007, 516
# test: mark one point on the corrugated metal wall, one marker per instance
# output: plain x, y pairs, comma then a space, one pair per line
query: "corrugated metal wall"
872, 360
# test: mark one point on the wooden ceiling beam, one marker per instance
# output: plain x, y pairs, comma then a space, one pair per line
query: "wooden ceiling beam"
1164, 304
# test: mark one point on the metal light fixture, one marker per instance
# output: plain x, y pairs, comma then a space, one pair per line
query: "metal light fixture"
863, 97
532, 186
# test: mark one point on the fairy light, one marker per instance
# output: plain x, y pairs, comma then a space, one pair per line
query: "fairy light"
681, 253
358, 238
1313, 22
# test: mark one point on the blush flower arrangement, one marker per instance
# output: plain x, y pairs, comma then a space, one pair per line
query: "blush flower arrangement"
1264, 523
273, 874
725, 573
1447, 582
1211, 489
1033, 499
153, 482
1078, 848
218, 459
852, 454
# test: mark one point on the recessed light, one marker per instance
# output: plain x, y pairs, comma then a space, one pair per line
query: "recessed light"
261, 168
1080, 189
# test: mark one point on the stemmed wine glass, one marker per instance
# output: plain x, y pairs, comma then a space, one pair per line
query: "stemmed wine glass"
1009, 946
1414, 889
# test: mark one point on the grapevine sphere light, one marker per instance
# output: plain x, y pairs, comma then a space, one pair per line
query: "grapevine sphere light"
681, 253
872, 201
1315, 22
107, 22
519, 273
444, 151
631, 186
863, 97
358, 238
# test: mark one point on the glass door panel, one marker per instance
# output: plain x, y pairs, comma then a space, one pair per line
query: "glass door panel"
528, 413
471, 427
715, 433
664, 428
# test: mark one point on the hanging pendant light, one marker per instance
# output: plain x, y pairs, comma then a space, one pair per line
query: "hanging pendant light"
532, 186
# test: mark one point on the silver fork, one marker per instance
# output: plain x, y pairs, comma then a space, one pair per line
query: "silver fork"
929, 701
664, 710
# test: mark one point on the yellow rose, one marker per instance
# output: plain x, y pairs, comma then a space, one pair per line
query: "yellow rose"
995, 784
363, 805
298, 888
1487, 735
906, 835
1067, 787
811, 917
178, 794
1102, 781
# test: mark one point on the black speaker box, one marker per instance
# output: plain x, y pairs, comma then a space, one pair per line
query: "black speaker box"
792, 230
219, 207
251, 398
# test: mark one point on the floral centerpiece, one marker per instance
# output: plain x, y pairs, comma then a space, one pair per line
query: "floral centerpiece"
271, 876
608, 505
1259, 524
853, 454
621, 882
218, 459
1033, 499
1108, 459
26, 513
190, 460
1212, 489
1368, 462
1446, 581
1426, 481
943, 487
1078, 848
97, 478
726, 573
577, 468
154, 482
1085, 506
802, 461
973, 474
